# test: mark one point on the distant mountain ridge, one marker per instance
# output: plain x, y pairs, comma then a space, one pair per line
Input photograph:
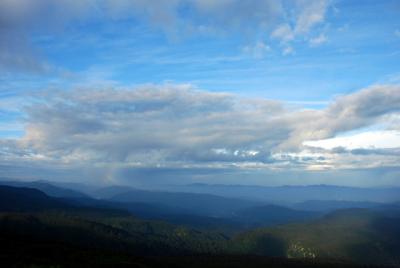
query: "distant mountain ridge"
269, 215
295, 194
196, 210
205, 210
48, 188
282, 195
331, 205
19, 199
191, 203
31, 221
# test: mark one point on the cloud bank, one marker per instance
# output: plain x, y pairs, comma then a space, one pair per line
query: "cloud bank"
180, 127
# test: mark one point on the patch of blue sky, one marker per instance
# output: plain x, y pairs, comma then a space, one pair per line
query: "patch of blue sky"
356, 54
359, 48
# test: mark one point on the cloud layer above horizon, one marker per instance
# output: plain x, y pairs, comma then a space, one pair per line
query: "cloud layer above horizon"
180, 127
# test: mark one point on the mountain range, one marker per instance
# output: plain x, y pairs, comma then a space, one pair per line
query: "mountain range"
34, 225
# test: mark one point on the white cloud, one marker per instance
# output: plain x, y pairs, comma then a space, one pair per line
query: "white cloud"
384, 139
258, 50
319, 40
288, 50
176, 126
309, 14
312, 12
283, 32
349, 112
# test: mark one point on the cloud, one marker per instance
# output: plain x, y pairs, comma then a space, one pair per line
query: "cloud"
349, 112
20, 19
283, 32
178, 126
307, 15
317, 41
151, 125
383, 139
17, 54
258, 50
235, 14
311, 13
367, 104
287, 51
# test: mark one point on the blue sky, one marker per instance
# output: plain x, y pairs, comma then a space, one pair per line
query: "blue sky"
295, 57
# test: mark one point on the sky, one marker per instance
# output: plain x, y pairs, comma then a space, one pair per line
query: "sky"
148, 93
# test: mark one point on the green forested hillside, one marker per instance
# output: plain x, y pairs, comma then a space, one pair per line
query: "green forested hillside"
269, 215
104, 232
356, 234
58, 239
37, 229
347, 236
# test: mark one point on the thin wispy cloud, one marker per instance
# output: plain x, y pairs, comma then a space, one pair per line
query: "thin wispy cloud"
22, 18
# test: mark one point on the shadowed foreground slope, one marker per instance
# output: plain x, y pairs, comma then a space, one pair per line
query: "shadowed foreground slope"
62, 235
